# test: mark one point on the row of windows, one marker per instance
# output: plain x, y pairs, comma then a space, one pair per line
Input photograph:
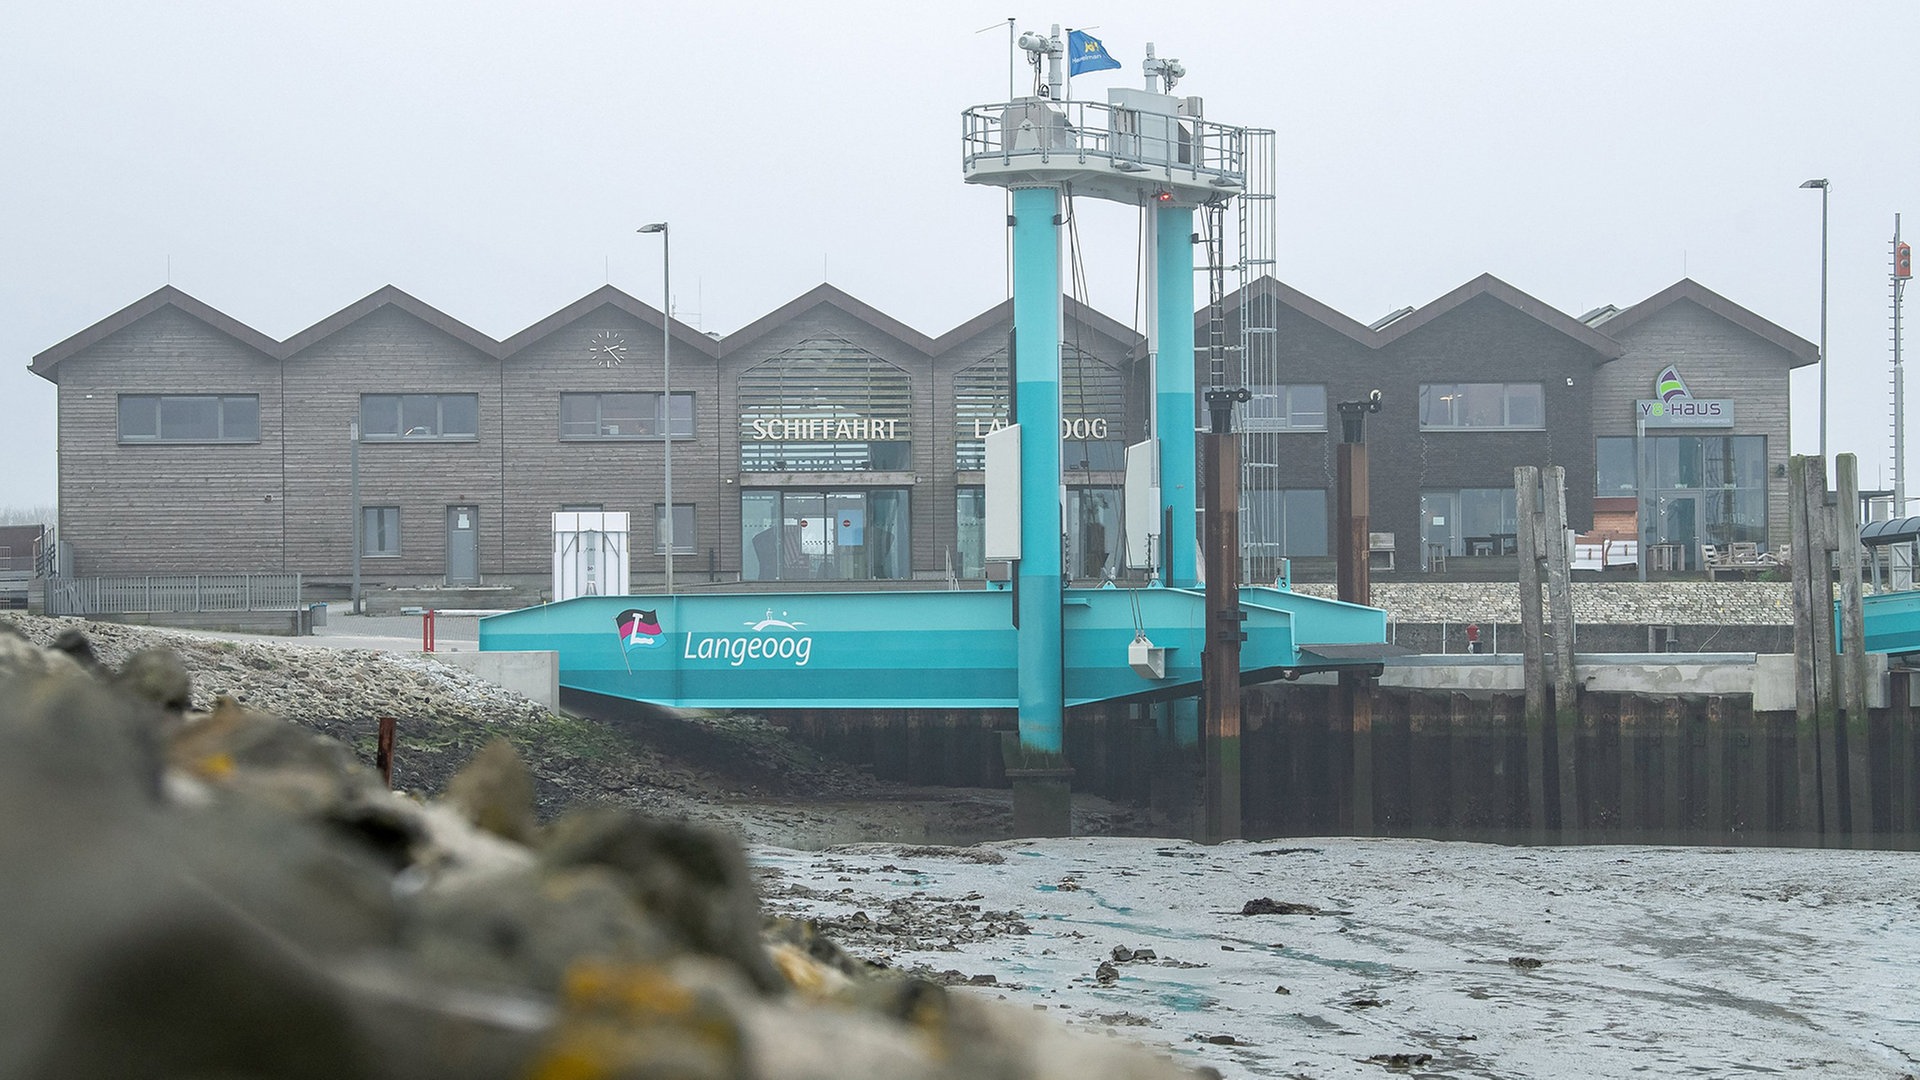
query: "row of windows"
456, 417
1681, 462
625, 416
190, 418
863, 534
1698, 488
235, 418
380, 529
1482, 406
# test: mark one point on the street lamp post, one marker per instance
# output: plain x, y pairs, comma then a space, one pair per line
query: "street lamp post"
359, 527
666, 378
1821, 183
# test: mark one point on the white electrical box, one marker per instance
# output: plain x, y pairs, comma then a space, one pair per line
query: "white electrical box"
1142, 498
1002, 525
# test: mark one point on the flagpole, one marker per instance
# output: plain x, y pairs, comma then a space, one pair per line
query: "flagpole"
1013, 64
1013, 61
1062, 41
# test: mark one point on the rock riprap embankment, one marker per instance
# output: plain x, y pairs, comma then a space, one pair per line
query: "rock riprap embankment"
445, 715
224, 893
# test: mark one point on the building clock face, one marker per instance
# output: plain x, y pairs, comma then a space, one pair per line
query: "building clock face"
607, 349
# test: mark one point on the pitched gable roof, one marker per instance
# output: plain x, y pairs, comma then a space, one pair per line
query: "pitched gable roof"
1289, 297
166, 296
1072, 311
1804, 352
384, 297
607, 296
1000, 314
825, 295
1489, 286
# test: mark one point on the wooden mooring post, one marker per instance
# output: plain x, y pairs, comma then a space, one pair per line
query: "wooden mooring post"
1852, 664
383, 752
1540, 505
1354, 584
1833, 769
1901, 764
1220, 659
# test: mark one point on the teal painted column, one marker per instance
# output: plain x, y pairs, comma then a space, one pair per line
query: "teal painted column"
1173, 390
1036, 337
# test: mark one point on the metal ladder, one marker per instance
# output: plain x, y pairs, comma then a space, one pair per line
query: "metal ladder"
1259, 349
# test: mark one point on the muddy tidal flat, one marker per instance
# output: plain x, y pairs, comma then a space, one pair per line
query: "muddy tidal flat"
1333, 958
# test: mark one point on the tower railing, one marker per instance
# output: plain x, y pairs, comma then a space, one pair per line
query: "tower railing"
1078, 134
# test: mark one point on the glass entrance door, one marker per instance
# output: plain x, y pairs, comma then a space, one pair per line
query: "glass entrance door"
848, 535
1680, 527
809, 541
1093, 534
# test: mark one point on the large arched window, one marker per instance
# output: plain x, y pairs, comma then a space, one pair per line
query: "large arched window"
1092, 411
825, 405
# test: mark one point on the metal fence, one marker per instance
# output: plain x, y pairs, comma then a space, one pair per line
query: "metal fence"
135, 593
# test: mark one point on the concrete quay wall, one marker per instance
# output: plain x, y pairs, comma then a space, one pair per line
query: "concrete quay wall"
1660, 748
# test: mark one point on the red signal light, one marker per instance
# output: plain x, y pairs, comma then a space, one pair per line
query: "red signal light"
1903, 261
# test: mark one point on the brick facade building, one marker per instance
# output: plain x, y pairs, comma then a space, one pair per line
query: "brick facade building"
828, 443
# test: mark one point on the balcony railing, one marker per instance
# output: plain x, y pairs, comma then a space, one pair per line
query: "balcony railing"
1065, 134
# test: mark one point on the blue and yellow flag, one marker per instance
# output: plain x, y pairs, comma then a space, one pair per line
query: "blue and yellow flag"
1085, 53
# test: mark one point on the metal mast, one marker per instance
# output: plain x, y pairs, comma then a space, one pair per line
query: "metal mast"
1902, 261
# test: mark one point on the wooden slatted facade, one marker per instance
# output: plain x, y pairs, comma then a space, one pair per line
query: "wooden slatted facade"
796, 402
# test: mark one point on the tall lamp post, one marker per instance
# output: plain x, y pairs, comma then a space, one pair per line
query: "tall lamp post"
666, 376
359, 527
1821, 183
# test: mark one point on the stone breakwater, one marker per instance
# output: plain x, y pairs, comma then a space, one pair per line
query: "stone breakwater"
224, 893
1759, 603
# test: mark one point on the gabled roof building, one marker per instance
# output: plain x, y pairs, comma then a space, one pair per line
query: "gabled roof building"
827, 442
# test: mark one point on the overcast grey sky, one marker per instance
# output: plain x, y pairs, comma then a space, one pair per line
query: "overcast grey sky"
280, 161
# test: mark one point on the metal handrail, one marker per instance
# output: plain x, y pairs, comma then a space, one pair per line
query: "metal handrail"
146, 593
1086, 131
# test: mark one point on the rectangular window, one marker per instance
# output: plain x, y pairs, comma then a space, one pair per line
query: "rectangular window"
386, 417
379, 531
1087, 455
623, 416
1288, 522
1470, 521
1705, 489
1618, 471
190, 418
969, 542
793, 535
685, 542
1093, 534
1283, 407
1482, 406
418, 416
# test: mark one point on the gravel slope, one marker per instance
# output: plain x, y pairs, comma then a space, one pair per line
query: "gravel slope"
732, 770
445, 714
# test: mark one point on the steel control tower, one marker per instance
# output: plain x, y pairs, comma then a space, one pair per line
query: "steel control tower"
1144, 148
